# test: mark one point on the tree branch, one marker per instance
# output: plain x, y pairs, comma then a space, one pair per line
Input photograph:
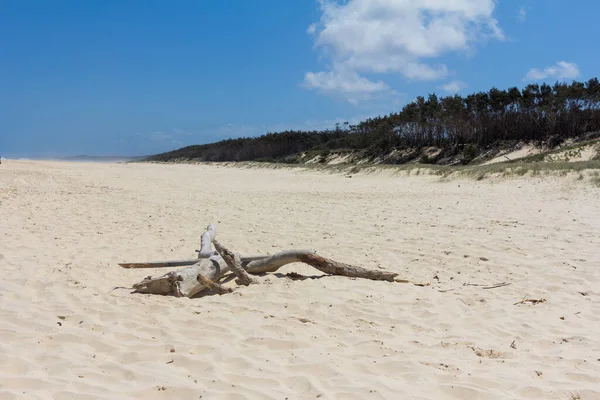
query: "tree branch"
323, 264
235, 264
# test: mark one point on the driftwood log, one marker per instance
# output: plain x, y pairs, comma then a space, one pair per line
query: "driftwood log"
211, 266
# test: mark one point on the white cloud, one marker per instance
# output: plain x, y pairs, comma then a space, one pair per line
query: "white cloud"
395, 36
343, 82
562, 70
453, 87
347, 84
420, 71
522, 15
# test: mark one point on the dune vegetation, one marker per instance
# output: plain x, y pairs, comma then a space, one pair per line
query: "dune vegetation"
451, 130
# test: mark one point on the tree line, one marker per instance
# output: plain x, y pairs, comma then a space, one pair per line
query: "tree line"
533, 113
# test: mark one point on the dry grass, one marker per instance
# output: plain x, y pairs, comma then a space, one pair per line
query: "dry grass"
564, 153
583, 169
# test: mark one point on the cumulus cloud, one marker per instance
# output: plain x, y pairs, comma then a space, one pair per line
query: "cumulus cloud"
453, 87
395, 36
562, 70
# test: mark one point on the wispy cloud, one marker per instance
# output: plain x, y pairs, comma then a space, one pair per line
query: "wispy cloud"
562, 70
175, 136
522, 16
368, 37
348, 84
453, 87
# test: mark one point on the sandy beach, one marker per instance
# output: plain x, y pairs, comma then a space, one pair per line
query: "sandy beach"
66, 332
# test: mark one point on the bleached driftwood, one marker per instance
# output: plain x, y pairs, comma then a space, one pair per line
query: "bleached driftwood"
181, 263
205, 241
235, 264
186, 282
183, 282
160, 264
206, 272
323, 264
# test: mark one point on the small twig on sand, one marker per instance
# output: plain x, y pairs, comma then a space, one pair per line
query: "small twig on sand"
398, 280
447, 290
497, 285
486, 286
532, 301
483, 286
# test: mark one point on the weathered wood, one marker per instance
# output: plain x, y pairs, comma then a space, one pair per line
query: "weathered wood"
187, 282
235, 264
323, 264
276, 261
160, 264
206, 272
213, 286
182, 263
206, 240
184, 282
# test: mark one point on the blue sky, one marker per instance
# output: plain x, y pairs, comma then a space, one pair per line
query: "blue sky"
140, 77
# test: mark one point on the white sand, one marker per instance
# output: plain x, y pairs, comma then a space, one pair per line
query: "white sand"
582, 153
525, 151
65, 226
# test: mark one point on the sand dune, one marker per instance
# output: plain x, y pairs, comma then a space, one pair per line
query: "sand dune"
67, 333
